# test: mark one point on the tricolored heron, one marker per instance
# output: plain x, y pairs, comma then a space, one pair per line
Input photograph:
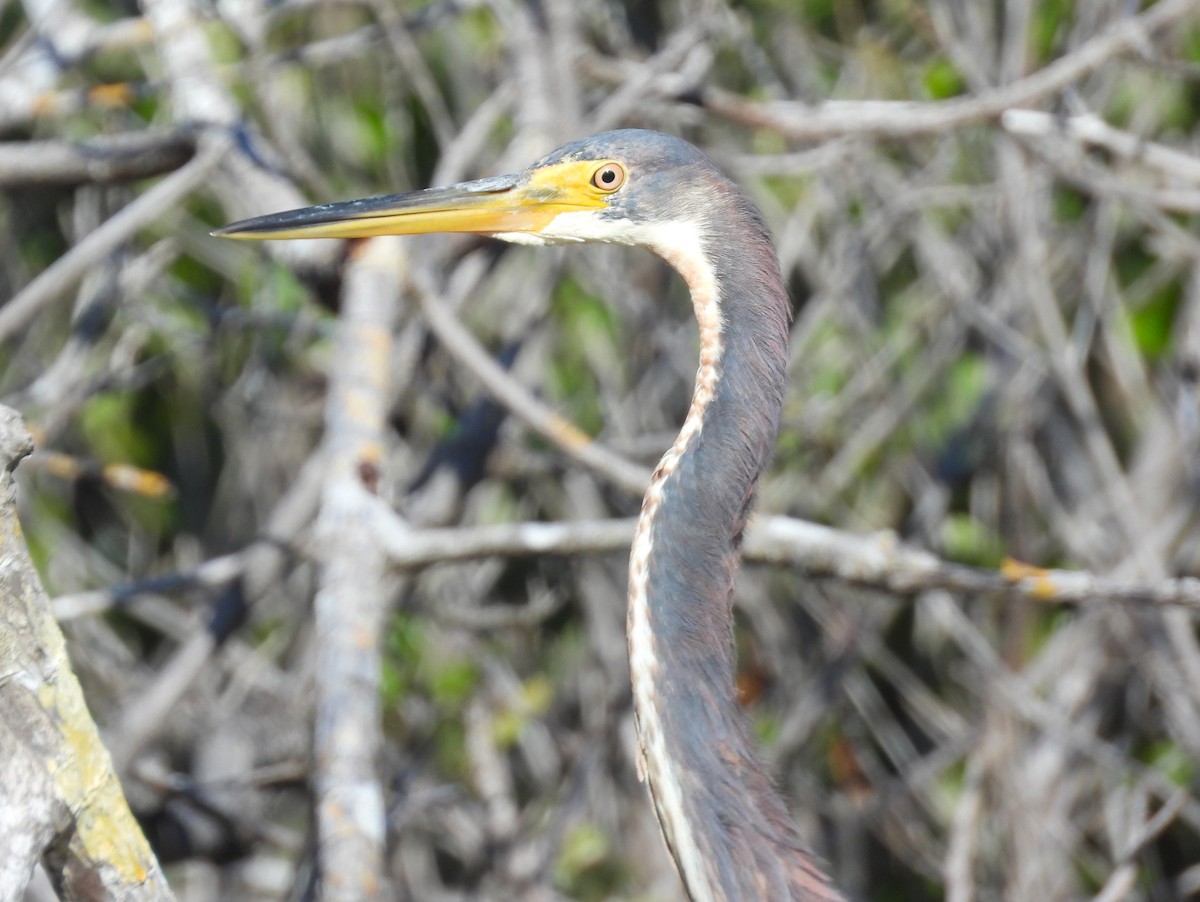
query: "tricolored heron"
728, 829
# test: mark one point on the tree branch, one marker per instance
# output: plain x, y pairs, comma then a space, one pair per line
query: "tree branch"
352, 596
99, 160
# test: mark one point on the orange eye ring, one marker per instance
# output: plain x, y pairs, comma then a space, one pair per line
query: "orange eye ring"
609, 177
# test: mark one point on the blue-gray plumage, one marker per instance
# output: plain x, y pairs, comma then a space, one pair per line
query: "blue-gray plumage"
727, 827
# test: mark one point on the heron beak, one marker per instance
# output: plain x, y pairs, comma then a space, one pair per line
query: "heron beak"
526, 202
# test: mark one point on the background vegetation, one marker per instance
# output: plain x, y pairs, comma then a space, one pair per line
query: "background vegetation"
995, 356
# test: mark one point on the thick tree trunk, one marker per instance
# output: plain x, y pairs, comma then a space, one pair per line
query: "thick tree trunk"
60, 801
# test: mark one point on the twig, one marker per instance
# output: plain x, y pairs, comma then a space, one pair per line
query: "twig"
1119, 885
99, 160
962, 846
1163, 818
418, 548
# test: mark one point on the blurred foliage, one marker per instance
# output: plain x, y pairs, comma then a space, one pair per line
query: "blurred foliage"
584, 869
927, 398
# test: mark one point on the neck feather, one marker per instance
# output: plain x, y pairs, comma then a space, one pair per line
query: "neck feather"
728, 829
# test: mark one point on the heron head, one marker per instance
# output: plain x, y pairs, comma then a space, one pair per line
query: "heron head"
629, 186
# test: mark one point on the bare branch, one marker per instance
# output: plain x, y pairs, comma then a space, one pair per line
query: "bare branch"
1090, 129
103, 159
351, 600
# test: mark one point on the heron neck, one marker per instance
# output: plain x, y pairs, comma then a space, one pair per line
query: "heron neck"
729, 831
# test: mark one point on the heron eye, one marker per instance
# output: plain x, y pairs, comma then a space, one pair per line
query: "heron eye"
609, 177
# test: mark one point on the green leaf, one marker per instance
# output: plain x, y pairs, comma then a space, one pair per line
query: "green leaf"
942, 80
452, 681
108, 424
1173, 761
968, 541
585, 847
1152, 325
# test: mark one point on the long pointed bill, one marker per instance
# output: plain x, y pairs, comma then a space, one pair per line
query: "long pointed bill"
505, 204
